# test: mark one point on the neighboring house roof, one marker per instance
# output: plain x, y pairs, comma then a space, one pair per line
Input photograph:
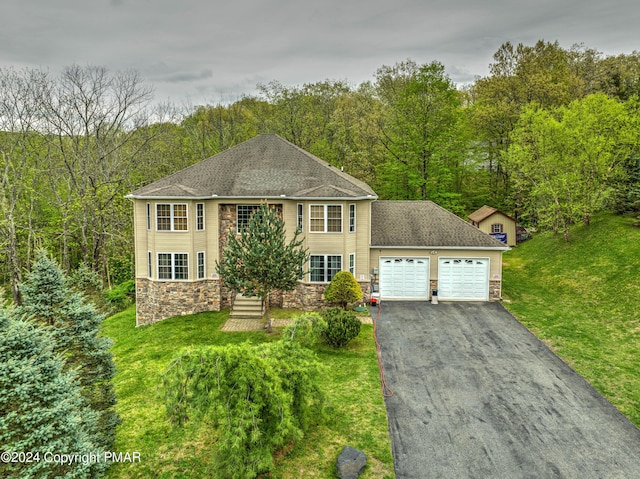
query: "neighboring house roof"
483, 213
424, 224
265, 166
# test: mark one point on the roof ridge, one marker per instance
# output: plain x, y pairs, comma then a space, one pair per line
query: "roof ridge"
346, 176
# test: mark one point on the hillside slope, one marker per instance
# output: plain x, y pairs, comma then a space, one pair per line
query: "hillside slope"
583, 300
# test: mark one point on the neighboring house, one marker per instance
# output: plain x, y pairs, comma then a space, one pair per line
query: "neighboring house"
495, 223
406, 248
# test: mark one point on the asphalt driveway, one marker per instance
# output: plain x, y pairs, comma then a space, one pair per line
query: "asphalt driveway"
476, 395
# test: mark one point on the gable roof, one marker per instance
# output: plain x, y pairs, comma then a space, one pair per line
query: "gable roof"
265, 166
484, 212
423, 224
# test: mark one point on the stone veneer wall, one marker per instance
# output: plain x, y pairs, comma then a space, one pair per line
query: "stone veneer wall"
309, 296
495, 290
158, 300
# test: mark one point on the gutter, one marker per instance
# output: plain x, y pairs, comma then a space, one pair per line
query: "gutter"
471, 248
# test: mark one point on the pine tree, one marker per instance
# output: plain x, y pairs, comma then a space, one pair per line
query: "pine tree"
75, 326
42, 409
260, 261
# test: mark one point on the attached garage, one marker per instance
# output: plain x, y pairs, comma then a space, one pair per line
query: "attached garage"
404, 278
463, 279
417, 247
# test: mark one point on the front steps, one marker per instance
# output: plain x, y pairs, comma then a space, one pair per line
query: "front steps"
246, 307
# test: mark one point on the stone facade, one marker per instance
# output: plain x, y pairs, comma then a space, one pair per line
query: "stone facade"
158, 300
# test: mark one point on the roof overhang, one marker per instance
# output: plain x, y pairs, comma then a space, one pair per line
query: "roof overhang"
433, 248
262, 197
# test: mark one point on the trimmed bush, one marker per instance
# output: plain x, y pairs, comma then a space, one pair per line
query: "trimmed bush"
343, 289
341, 327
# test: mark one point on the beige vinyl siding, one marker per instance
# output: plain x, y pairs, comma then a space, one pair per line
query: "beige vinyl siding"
344, 243
508, 225
193, 241
190, 241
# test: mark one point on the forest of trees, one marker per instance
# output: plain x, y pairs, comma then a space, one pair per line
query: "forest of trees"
551, 135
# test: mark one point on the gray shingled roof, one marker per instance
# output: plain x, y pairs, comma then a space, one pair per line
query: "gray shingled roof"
423, 224
263, 167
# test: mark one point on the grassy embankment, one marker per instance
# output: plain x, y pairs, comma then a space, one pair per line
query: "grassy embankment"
583, 299
357, 416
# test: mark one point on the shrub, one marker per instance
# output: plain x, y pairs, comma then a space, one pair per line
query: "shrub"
306, 329
259, 397
122, 295
343, 289
341, 327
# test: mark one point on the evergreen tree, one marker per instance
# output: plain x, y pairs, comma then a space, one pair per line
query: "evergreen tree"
75, 326
259, 260
41, 407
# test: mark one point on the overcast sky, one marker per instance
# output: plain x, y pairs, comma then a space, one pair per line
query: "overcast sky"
197, 51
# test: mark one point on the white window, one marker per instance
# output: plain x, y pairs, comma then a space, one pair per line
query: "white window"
496, 228
300, 221
148, 216
149, 264
352, 264
201, 269
174, 266
200, 216
243, 215
171, 217
352, 218
324, 267
325, 218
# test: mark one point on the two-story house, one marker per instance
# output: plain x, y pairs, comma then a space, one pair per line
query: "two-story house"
407, 248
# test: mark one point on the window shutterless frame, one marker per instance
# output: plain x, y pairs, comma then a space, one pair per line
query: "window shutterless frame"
199, 216
323, 267
172, 217
325, 218
352, 218
173, 266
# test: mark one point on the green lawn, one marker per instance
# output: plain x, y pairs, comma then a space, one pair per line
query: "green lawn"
583, 300
357, 416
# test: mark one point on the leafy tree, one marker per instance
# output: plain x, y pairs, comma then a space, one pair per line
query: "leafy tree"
259, 397
564, 161
259, 260
343, 289
75, 325
41, 407
422, 133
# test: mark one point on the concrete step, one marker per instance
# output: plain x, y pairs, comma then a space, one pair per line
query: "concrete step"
246, 307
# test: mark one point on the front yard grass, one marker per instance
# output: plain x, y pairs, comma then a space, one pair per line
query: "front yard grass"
356, 412
583, 299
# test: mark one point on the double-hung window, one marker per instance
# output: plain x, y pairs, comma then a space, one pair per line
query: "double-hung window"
300, 217
324, 267
173, 266
325, 218
352, 218
496, 228
171, 217
200, 216
201, 269
352, 263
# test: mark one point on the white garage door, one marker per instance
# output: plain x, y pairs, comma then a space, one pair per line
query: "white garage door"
404, 278
463, 278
